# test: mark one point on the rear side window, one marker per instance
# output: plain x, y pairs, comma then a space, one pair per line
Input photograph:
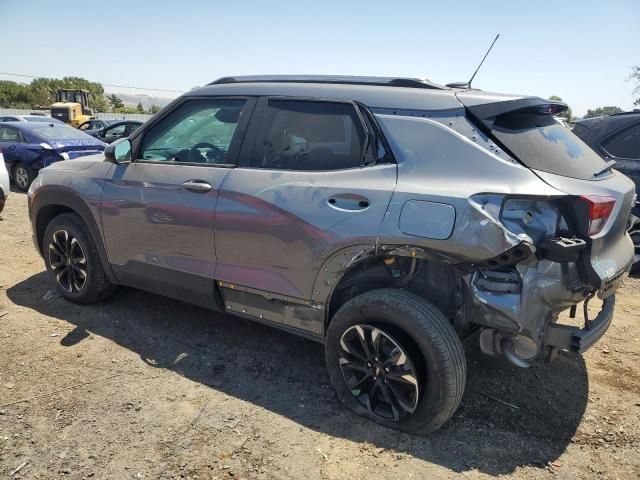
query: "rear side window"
305, 135
541, 143
625, 144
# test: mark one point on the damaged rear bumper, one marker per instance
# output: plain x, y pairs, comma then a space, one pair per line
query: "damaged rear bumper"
578, 339
523, 305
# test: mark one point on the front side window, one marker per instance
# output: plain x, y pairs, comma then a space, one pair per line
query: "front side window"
198, 131
305, 135
115, 132
132, 127
625, 144
85, 126
9, 135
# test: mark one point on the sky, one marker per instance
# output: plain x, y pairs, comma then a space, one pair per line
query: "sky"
582, 51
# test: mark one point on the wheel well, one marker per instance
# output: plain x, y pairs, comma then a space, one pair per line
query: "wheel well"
433, 280
45, 215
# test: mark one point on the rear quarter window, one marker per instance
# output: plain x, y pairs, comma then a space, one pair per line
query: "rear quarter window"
541, 143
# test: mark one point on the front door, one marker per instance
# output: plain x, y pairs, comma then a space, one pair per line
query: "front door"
317, 181
158, 211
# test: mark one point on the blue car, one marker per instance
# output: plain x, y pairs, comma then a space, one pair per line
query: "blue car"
30, 146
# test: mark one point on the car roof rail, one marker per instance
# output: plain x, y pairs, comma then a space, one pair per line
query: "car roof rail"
332, 79
635, 111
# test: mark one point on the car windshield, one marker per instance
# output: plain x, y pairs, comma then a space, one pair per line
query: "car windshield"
59, 132
43, 120
541, 143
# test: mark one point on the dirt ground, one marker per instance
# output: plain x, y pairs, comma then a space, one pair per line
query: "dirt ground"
141, 386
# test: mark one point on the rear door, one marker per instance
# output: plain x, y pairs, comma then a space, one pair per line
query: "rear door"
158, 211
311, 181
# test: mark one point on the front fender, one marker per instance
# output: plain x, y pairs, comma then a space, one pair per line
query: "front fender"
48, 201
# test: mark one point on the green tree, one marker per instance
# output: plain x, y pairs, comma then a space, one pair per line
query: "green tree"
568, 114
99, 104
635, 78
115, 101
154, 109
124, 109
603, 111
14, 95
41, 92
140, 108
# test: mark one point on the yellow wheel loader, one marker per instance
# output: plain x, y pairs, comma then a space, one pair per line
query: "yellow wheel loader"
72, 106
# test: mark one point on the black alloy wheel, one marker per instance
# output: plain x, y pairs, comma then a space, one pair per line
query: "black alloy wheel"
68, 261
379, 372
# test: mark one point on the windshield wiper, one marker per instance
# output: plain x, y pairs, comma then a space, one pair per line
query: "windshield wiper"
610, 164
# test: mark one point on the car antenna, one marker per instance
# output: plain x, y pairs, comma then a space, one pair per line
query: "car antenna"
467, 85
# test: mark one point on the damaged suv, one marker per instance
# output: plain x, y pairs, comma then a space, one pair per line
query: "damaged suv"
387, 218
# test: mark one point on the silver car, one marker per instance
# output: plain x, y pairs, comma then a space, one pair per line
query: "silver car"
388, 218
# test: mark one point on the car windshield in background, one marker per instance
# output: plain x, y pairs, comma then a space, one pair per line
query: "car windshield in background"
59, 132
541, 143
42, 119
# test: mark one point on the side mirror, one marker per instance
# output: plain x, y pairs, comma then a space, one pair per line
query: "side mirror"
118, 152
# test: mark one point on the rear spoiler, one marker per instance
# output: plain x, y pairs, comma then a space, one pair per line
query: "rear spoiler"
487, 113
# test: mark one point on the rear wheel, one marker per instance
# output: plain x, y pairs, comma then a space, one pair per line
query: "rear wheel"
22, 176
73, 261
395, 359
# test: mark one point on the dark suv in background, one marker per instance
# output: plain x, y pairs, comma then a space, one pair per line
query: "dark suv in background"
388, 218
617, 137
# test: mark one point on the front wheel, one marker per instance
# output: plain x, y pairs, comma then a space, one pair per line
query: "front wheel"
73, 262
394, 358
23, 176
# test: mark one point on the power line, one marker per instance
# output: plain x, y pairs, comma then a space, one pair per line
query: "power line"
103, 84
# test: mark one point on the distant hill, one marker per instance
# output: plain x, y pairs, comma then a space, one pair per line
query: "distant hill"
146, 100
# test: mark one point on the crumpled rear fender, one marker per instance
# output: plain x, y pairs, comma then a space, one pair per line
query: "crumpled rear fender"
445, 163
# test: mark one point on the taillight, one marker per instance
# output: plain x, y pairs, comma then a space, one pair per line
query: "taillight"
600, 208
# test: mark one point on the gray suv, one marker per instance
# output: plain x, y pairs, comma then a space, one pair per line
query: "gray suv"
388, 218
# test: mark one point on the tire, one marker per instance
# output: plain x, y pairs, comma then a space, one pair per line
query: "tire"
22, 176
635, 237
85, 281
432, 347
